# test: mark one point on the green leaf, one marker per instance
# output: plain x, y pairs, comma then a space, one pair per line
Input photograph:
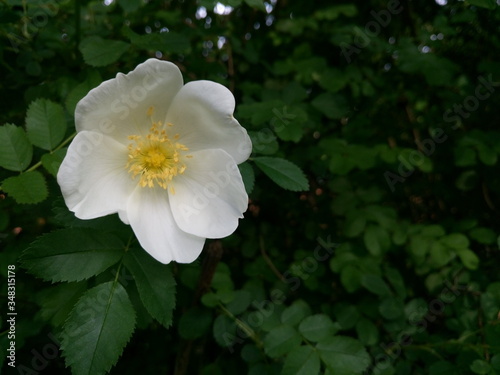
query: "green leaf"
303, 360
72, 254
78, 92
240, 302
317, 327
283, 172
367, 332
396, 280
294, 314
130, 6
419, 245
485, 236
57, 302
281, 340
51, 162
250, 353
332, 13
27, 188
248, 176
376, 285
350, 277
16, 150
290, 128
97, 51
469, 259
347, 315
45, 124
264, 142
495, 361
456, 241
155, 284
170, 42
376, 239
465, 157
194, 323
343, 355
333, 106
210, 299
257, 4
224, 330
442, 368
487, 155
262, 113
391, 308
433, 231
355, 223
480, 366
488, 4
333, 80
440, 254
98, 329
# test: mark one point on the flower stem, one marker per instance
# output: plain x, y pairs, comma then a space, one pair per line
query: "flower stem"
245, 328
64, 143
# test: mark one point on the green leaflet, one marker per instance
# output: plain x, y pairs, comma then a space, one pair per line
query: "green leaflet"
27, 188
45, 124
343, 355
98, 329
155, 284
72, 254
97, 51
303, 360
283, 172
16, 151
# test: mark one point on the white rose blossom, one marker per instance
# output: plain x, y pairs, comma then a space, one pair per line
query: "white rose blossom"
161, 154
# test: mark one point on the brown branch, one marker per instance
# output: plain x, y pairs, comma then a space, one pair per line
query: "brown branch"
210, 262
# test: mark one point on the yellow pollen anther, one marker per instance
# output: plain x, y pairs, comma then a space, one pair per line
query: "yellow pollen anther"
150, 111
155, 158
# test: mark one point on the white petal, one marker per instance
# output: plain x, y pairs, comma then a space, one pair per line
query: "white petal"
123, 216
119, 107
202, 114
154, 226
209, 197
93, 176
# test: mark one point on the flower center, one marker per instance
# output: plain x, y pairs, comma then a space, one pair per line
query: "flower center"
155, 159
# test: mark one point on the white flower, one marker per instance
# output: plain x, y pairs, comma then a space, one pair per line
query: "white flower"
161, 154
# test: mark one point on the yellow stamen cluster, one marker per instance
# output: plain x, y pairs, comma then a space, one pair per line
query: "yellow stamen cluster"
155, 158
